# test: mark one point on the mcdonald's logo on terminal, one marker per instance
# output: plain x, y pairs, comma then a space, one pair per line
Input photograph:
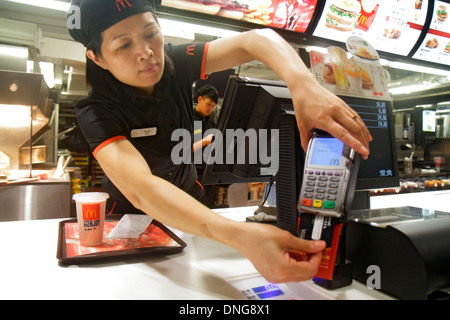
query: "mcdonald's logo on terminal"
334, 162
91, 212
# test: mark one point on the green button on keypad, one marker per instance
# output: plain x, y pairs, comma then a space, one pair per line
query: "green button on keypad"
329, 204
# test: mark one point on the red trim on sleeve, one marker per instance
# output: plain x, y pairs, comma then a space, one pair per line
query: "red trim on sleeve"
105, 143
204, 76
200, 185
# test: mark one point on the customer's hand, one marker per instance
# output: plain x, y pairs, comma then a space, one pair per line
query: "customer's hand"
275, 253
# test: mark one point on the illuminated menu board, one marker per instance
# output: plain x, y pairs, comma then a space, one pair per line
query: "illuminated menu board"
436, 45
389, 26
292, 15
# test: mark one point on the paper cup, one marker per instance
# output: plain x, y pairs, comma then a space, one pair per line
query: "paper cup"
91, 217
438, 162
338, 60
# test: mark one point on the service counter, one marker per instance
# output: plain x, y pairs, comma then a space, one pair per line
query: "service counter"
39, 197
205, 270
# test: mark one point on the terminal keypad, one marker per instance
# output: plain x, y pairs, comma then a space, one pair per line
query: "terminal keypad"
321, 189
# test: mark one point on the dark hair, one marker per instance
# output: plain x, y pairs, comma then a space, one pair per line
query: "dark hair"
102, 80
98, 78
209, 91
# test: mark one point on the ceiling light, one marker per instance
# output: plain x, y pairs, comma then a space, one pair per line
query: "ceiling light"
14, 116
411, 67
188, 30
169, 27
30, 66
13, 51
411, 88
48, 4
47, 69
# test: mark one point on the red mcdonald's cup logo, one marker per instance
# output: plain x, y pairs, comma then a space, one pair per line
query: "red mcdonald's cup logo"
91, 211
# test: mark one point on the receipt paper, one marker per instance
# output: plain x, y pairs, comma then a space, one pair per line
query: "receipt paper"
131, 226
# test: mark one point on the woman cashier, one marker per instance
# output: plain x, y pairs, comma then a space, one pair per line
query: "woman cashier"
141, 93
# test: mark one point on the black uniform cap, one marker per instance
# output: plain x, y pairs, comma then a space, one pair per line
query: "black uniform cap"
95, 16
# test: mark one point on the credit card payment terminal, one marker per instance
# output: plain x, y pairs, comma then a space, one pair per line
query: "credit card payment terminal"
325, 198
329, 176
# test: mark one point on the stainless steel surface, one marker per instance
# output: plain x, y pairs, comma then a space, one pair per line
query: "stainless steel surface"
35, 200
407, 166
38, 154
13, 58
24, 111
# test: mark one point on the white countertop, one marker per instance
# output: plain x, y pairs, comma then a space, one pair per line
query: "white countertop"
205, 270
435, 200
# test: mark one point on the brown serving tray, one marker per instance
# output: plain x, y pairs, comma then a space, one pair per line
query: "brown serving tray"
156, 240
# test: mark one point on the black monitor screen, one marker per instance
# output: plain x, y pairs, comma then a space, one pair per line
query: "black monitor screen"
254, 105
242, 150
380, 170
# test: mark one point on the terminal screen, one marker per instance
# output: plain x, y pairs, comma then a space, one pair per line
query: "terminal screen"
326, 152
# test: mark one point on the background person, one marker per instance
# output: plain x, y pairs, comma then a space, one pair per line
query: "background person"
206, 99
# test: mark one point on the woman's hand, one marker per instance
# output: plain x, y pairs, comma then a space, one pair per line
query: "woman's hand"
316, 107
275, 253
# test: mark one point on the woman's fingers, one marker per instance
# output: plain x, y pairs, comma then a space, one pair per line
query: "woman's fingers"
334, 116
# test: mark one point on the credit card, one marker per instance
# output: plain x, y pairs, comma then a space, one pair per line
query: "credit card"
316, 227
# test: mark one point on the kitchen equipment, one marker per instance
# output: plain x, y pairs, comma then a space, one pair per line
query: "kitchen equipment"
4, 166
32, 199
61, 166
38, 153
24, 113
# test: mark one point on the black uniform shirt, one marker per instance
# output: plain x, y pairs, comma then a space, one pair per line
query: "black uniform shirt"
103, 119
206, 124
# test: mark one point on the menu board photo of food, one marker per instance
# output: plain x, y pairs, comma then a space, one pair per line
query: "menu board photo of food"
390, 26
355, 72
436, 45
294, 15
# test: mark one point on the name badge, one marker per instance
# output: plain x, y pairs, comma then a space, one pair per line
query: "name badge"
144, 132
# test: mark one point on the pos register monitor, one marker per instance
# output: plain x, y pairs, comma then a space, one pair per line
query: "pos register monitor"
241, 152
257, 121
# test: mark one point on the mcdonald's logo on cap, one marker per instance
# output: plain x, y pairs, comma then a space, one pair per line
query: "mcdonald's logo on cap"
121, 4
190, 50
91, 211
